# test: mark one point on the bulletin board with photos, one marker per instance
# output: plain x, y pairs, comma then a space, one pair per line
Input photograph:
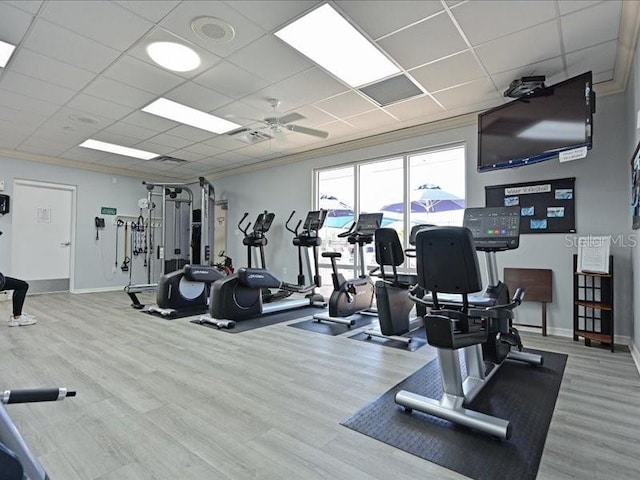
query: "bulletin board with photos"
635, 188
546, 206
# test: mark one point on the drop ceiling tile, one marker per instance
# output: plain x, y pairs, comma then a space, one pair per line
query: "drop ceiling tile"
568, 6
241, 113
60, 135
129, 130
345, 105
29, 86
600, 58
337, 129
224, 143
454, 70
207, 59
56, 42
591, 26
31, 6
124, 140
179, 22
197, 96
146, 120
170, 141
549, 68
273, 14
371, 120
119, 93
118, 161
313, 116
233, 156
187, 155
154, 147
77, 120
309, 87
523, 48
142, 75
152, 10
480, 91
13, 23
94, 105
85, 155
38, 66
377, 19
427, 41
26, 104
488, 20
210, 162
190, 133
203, 149
104, 22
255, 151
10, 141
413, 108
46, 147
270, 58
26, 120
230, 80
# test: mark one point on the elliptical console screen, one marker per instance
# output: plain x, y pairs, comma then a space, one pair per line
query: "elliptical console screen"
494, 228
368, 223
314, 220
263, 222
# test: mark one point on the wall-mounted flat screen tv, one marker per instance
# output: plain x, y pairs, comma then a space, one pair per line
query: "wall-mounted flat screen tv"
537, 127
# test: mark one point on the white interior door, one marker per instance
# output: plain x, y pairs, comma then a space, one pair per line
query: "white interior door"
42, 234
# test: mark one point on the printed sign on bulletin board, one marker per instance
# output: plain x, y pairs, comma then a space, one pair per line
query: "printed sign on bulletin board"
547, 206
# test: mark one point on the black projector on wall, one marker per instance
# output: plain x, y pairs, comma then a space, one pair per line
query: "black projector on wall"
524, 86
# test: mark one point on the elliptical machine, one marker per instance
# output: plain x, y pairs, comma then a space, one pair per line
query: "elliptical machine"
355, 295
448, 264
239, 297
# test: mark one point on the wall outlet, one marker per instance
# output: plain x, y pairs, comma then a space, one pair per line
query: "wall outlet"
114, 180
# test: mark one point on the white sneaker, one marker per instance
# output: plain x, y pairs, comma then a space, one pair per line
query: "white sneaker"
22, 321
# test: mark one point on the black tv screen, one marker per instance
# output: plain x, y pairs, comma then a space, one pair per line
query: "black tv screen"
537, 127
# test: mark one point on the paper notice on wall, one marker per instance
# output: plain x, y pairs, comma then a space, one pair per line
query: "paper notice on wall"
575, 154
593, 254
44, 215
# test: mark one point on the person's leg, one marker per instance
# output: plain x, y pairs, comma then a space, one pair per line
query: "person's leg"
19, 288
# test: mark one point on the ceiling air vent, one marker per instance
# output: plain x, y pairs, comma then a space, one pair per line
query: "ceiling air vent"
249, 135
168, 159
391, 90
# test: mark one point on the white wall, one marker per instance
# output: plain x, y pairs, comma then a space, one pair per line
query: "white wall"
93, 259
602, 204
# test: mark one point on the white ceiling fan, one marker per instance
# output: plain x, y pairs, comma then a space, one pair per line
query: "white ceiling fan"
275, 125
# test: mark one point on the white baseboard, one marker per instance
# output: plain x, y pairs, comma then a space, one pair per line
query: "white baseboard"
98, 289
635, 354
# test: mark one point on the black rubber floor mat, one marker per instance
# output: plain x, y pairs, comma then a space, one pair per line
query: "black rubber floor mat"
266, 320
522, 394
330, 328
418, 339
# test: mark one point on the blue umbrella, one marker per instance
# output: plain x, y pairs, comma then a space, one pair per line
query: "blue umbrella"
430, 199
339, 214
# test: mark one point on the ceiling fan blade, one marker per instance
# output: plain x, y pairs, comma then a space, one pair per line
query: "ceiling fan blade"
308, 131
291, 117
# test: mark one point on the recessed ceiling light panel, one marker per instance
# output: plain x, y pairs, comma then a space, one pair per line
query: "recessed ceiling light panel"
173, 56
189, 116
6, 50
117, 149
328, 39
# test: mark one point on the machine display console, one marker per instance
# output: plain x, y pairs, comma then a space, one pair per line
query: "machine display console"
263, 222
494, 228
368, 223
314, 220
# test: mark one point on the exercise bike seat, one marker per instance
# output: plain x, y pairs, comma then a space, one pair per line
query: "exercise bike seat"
331, 254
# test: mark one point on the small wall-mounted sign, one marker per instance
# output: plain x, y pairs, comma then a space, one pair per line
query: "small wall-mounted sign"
108, 211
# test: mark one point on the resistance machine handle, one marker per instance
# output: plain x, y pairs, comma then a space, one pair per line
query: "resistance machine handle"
36, 395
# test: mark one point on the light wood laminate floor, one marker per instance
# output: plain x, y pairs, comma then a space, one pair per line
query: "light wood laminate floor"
162, 399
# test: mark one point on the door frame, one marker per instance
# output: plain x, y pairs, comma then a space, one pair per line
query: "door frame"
56, 186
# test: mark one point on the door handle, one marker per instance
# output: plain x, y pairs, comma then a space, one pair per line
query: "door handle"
65, 244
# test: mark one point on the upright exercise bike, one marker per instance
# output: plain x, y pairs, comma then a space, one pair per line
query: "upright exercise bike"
448, 264
354, 296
